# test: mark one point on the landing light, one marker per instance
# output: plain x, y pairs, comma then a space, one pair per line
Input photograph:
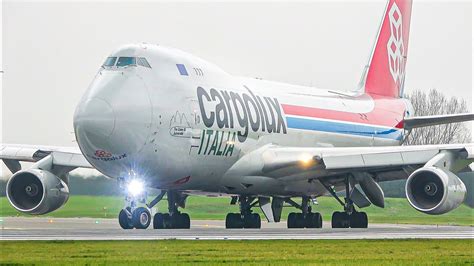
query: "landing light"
306, 159
135, 187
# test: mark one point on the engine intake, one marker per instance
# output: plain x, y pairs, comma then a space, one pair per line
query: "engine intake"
433, 190
36, 191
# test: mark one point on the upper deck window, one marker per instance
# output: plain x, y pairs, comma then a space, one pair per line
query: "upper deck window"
110, 61
126, 61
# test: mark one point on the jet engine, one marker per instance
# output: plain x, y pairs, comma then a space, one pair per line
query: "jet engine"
434, 190
36, 191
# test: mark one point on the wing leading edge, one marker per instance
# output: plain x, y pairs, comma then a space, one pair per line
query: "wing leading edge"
12, 154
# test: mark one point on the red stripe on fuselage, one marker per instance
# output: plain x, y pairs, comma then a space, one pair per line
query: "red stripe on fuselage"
387, 112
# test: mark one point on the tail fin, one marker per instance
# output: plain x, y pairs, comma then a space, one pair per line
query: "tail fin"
384, 74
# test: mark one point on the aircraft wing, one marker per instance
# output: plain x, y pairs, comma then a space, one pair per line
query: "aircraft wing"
12, 154
423, 121
383, 163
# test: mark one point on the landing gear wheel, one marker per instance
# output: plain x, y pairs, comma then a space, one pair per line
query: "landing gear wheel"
186, 221
300, 221
141, 218
340, 220
252, 220
167, 224
291, 222
158, 221
180, 221
257, 222
359, 220
314, 220
234, 220
124, 221
296, 220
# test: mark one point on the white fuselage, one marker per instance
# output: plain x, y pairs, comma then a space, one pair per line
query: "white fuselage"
182, 123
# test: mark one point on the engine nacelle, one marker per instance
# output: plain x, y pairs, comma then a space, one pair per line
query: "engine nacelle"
433, 190
36, 191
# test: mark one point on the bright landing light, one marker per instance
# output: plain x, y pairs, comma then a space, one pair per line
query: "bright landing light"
306, 158
135, 187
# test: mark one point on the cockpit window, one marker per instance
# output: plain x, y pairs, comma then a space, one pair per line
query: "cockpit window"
110, 61
143, 62
126, 61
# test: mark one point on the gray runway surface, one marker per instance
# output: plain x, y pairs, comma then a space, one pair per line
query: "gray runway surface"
19, 228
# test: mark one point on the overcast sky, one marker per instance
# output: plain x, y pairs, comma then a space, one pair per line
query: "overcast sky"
52, 50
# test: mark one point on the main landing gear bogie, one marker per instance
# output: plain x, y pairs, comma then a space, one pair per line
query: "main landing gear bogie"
246, 218
353, 220
300, 220
306, 218
236, 220
349, 218
174, 221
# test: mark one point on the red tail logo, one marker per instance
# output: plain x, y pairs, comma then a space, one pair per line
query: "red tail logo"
395, 46
386, 73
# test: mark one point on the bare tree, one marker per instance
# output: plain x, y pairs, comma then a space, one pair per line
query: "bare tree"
435, 103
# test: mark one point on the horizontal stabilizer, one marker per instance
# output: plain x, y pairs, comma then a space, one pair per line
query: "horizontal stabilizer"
424, 121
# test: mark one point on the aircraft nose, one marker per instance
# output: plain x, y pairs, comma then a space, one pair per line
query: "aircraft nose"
96, 117
113, 121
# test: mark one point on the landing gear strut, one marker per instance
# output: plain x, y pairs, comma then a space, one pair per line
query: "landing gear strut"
349, 217
244, 219
305, 219
173, 219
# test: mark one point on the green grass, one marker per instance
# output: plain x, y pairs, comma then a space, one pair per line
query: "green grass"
395, 211
266, 252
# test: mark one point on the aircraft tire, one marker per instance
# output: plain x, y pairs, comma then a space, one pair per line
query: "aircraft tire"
158, 221
233, 221
184, 221
300, 221
314, 220
124, 221
141, 218
252, 221
340, 220
359, 220
291, 222
257, 221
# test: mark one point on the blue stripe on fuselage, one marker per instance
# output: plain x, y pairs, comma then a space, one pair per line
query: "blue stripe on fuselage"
343, 128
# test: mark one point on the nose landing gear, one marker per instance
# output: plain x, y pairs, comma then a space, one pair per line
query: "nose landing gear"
140, 217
